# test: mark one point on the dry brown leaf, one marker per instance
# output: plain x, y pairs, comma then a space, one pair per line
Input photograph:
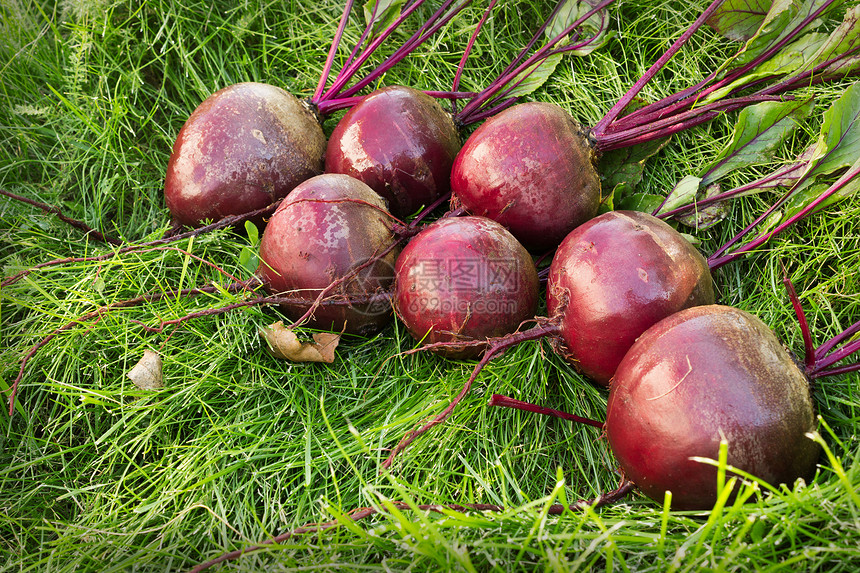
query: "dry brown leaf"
283, 343
146, 374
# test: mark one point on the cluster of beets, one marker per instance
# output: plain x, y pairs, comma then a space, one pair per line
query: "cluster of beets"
630, 301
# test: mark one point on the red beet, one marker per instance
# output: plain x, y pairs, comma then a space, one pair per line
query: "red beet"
328, 227
243, 148
531, 169
464, 279
703, 374
614, 277
401, 143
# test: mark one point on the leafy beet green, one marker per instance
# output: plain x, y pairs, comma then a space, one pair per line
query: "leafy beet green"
739, 19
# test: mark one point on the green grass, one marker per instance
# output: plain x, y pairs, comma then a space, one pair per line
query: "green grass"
96, 475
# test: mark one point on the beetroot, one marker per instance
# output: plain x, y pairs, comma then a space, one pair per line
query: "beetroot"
614, 277
243, 148
401, 143
463, 279
608, 284
248, 145
328, 228
531, 169
705, 374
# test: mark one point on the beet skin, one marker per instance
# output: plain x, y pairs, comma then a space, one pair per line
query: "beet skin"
529, 168
401, 143
243, 148
703, 374
464, 279
615, 276
328, 226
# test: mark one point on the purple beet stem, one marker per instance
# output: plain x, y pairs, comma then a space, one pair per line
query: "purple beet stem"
719, 258
465, 116
670, 105
347, 8
677, 113
469, 45
508, 402
625, 100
